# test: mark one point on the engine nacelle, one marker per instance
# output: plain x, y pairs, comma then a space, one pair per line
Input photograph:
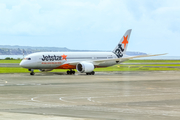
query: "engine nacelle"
45, 70
85, 67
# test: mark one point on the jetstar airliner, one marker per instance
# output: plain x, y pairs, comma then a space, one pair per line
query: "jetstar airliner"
83, 62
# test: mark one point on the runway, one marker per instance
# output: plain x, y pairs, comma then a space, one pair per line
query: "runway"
9, 65
106, 95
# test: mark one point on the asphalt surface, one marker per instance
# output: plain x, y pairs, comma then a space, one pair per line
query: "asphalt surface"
106, 95
9, 65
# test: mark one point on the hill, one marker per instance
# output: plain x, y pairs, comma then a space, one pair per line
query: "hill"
18, 50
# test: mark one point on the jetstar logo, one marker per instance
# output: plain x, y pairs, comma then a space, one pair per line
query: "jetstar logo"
119, 51
54, 58
63, 57
125, 41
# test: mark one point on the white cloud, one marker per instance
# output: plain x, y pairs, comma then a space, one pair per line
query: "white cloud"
153, 22
64, 15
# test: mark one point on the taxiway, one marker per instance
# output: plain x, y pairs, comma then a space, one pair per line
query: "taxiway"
106, 95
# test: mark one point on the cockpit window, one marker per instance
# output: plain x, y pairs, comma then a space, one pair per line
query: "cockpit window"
27, 58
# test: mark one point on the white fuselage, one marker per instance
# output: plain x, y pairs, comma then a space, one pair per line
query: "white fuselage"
55, 60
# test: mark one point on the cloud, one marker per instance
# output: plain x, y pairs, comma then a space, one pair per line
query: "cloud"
93, 22
34, 17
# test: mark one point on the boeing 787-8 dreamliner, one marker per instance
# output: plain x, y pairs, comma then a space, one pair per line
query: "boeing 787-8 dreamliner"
83, 62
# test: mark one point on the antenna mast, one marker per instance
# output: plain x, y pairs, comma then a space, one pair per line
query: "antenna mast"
23, 53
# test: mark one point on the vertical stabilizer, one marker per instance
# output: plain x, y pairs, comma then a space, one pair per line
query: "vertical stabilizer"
121, 48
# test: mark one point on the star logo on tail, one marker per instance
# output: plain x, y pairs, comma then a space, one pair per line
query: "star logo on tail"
125, 41
64, 57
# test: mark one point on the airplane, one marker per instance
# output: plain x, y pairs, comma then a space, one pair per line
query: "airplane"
83, 62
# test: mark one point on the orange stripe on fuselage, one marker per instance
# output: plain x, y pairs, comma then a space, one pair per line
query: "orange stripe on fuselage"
66, 66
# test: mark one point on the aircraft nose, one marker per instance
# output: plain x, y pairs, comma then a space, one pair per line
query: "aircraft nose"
22, 64
27, 64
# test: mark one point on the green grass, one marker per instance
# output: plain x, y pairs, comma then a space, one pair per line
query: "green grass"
60, 70
13, 70
120, 67
136, 68
113, 68
23, 70
10, 61
152, 61
151, 65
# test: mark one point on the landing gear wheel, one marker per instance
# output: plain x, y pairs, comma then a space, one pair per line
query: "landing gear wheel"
91, 73
70, 72
32, 73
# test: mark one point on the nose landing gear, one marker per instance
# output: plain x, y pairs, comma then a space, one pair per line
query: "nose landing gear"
32, 72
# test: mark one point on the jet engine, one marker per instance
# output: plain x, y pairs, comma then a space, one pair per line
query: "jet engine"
45, 70
85, 67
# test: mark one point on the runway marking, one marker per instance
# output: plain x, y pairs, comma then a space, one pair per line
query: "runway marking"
32, 99
103, 109
65, 100
90, 99
4, 81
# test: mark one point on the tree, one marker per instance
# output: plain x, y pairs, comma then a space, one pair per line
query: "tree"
7, 58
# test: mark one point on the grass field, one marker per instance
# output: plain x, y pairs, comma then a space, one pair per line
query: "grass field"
136, 68
21, 70
152, 61
10, 61
113, 68
120, 67
152, 65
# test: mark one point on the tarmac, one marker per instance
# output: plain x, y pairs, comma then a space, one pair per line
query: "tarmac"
106, 95
9, 65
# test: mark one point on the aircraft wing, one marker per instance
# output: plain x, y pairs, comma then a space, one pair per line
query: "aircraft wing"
139, 56
124, 59
97, 62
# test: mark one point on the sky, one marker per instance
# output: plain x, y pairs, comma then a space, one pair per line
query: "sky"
92, 24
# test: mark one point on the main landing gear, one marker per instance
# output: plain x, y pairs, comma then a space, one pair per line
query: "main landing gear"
71, 72
32, 72
91, 73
